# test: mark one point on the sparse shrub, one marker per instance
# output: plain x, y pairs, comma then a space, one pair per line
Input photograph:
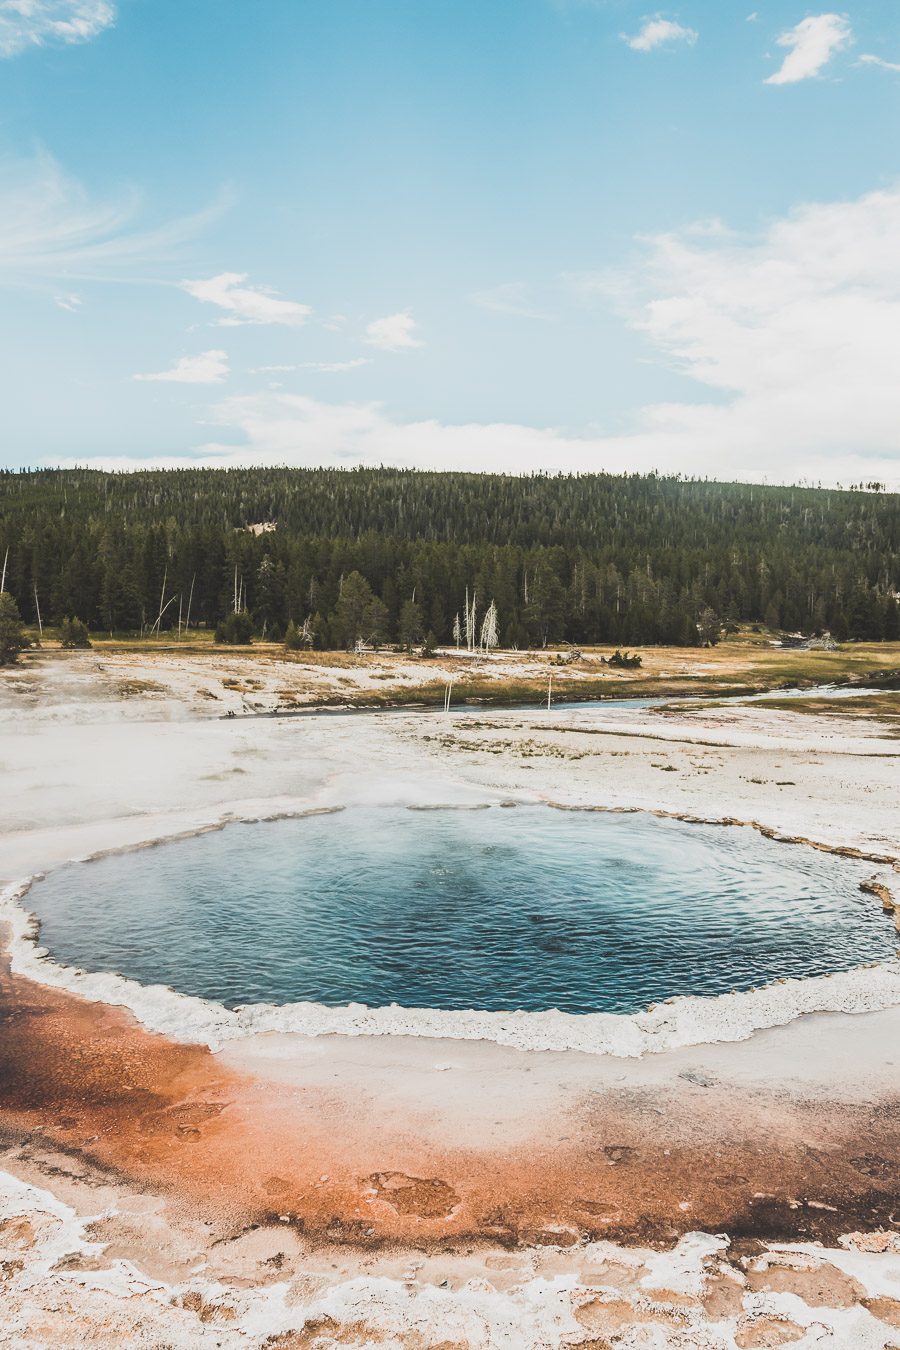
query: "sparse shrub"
73, 633
236, 629
625, 660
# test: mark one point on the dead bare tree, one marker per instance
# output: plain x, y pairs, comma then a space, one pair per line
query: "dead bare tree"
162, 607
471, 633
187, 621
489, 636
171, 600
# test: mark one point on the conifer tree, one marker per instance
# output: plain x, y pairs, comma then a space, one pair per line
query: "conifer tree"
12, 632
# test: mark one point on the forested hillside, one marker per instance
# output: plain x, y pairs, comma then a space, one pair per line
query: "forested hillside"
621, 559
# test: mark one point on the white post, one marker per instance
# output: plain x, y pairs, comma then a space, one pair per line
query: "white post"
38, 608
3, 578
549, 690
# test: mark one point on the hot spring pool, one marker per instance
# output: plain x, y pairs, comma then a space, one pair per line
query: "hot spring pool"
496, 909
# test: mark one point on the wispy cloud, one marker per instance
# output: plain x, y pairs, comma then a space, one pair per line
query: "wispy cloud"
246, 304
34, 23
788, 336
283, 428
795, 333
207, 368
336, 367
393, 333
659, 32
324, 367
869, 60
51, 228
509, 298
70, 302
812, 43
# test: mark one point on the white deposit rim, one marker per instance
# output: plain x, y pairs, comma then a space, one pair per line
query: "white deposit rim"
677, 1022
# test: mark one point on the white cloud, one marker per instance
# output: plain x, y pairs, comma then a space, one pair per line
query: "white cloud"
812, 43
246, 304
336, 367
50, 227
791, 338
796, 332
295, 430
332, 367
509, 298
70, 302
659, 32
208, 368
325, 367
393, 333
32, 23
869, 60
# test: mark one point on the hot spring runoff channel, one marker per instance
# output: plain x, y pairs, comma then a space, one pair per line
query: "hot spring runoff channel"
496, 909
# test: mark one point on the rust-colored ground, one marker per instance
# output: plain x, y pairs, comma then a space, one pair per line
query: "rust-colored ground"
87, 1080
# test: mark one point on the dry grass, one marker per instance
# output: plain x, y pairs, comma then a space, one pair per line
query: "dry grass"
882, 707
135, 688
746, 663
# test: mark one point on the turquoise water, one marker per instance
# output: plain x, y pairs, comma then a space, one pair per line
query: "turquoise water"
498, 908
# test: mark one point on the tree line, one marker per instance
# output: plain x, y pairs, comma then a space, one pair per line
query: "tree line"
388, 555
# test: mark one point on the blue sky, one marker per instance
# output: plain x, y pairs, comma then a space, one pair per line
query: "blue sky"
503, 234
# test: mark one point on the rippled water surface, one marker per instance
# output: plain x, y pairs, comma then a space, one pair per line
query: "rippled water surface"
518, 908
